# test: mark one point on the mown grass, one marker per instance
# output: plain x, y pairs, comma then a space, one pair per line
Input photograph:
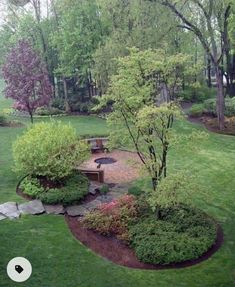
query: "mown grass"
61, 261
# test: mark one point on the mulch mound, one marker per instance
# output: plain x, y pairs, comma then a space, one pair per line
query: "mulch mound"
211, 124
119, 253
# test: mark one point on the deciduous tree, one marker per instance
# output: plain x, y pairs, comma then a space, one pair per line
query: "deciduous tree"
26, 78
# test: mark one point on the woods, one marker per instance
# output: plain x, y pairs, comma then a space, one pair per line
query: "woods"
80, 42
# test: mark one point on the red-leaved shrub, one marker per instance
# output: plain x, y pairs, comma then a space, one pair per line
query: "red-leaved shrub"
113, 218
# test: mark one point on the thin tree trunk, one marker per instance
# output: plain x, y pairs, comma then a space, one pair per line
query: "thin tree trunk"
31, 117
220, 98
66, 102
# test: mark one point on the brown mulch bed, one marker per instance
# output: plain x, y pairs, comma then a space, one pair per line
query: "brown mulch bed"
211, 124
119, 253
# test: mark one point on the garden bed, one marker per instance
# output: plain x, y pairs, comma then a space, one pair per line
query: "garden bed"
116, 251
211, 124
70, 191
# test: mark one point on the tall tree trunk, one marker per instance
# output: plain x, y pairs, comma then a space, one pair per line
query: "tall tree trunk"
209, 81
220, 97
66, 102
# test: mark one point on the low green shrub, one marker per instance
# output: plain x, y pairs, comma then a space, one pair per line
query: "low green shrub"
196, 110
104, 189
73, 189
210, 107
58, 103
44, 111
198, 94
95, 100
182, 234
135, 190
49, 149
229, 107
31, 186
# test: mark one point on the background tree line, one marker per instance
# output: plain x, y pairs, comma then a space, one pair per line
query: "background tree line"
80, 42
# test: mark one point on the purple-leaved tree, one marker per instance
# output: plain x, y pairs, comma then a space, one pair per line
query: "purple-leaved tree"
26, 77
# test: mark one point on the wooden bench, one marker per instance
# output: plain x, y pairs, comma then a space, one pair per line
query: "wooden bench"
98, 144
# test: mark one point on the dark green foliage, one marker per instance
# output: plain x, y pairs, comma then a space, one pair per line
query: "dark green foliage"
209, 106
196, 110
198, 94
73, 189
44, 111
3, 120
58, 103
181, 234
85, 108
135, 190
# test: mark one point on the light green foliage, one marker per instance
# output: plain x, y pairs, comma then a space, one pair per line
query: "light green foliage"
196, 110
176, 188
49, 149
141, 118
31, 186
77, 36
209, 106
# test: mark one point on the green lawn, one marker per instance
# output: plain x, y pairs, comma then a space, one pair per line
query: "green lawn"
61, 261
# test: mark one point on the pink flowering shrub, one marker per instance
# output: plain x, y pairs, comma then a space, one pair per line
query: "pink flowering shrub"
113, 218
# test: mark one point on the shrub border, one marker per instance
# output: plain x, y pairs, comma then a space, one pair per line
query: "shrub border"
102, 245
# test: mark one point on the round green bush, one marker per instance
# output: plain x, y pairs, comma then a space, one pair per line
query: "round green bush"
49, 149
196, 110
181, 234
73, 189
135, 190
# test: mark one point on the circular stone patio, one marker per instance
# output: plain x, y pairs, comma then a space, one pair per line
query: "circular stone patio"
125, 169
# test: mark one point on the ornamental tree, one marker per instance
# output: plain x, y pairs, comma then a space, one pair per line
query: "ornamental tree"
26, 77
142, 116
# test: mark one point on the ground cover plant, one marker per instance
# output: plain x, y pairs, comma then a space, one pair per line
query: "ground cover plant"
182, 233
67, 191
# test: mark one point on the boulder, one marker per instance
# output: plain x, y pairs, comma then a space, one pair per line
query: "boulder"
76, 210
2, 217
32, 207
105, 198
93, 204
10, 210
94, 188
54, 209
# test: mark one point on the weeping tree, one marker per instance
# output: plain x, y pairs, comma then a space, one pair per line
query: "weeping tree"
142, 118
27, 80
